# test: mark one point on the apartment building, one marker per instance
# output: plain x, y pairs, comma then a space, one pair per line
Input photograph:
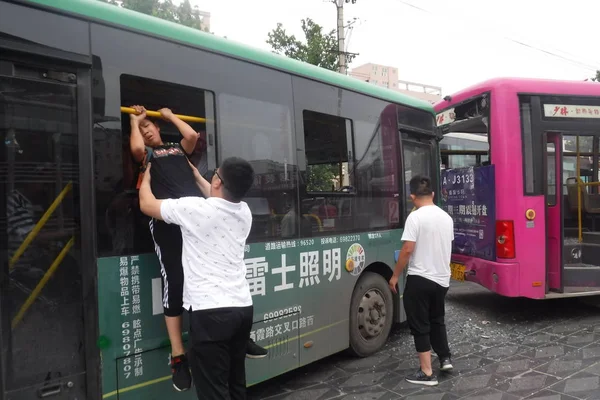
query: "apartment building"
387, 76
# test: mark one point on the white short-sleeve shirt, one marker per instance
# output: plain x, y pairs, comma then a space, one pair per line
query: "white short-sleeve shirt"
432, 230
214, 233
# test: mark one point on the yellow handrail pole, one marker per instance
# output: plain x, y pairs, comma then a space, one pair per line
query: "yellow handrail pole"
319, 223
156, 114
316, 217
579, 187
40, 224
42, 282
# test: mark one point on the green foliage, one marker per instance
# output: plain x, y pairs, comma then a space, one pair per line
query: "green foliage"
183, 13
320, 177
319, 48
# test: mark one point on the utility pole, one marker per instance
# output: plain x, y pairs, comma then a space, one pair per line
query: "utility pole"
339, 4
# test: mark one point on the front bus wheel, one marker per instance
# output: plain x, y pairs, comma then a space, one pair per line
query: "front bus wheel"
371, 314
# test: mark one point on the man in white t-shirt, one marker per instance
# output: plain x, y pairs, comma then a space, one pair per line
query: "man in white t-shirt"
215, 292
428, 235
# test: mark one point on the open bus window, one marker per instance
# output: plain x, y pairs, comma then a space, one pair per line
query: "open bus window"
125, 229
466, 135
329, 183
328, 143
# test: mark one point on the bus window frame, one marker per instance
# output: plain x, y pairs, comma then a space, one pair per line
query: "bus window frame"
541, 124
488, 95
351, 161
415, 138
557, 180
536, 156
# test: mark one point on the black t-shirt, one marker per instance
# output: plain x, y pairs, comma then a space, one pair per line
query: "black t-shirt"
172, 176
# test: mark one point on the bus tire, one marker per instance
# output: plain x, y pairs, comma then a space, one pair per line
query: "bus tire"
371, 314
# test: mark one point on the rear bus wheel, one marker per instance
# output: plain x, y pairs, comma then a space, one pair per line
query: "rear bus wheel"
371, 314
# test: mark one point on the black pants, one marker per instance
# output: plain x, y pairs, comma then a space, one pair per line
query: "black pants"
425, 311
218, 352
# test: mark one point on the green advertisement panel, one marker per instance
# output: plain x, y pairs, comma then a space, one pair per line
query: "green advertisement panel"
301, 291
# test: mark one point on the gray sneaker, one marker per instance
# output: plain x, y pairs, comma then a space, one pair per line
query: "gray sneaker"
419, 378
446, 364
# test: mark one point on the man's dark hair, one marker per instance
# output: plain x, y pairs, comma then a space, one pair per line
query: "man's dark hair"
238, 177
420, 186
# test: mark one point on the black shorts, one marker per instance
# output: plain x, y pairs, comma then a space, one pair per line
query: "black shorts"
168, 246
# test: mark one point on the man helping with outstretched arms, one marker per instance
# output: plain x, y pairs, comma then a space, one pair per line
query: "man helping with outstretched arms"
216, 293
172, 178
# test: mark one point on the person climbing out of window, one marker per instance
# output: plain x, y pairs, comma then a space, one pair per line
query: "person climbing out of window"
172, 178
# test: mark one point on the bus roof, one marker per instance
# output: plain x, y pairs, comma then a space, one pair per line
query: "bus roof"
98, 10
523, 85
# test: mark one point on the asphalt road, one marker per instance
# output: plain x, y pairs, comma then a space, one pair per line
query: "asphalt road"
503, 349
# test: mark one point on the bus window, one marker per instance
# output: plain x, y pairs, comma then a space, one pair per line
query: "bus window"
466, 140
329, 184
464, 150
376, 170
551, 174
261, 133
586, 164
417, 161
122, 228
328, 142
527, 135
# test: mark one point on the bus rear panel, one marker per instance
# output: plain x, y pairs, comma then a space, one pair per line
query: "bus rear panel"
530, 149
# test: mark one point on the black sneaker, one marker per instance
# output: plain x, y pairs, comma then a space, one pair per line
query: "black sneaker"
255, 351
180, 368
446, 364
419, 378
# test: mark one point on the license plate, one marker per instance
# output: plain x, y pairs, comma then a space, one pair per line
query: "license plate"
457, 271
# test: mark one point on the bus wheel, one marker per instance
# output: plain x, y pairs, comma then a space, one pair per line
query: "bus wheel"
371, 314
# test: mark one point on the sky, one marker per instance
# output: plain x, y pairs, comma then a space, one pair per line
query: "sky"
447, 43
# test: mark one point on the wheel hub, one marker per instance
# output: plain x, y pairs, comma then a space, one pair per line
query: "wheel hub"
371, 314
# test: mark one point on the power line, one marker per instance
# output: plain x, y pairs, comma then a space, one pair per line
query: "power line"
521, 43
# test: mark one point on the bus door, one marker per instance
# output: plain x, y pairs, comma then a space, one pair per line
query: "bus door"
42, 287
554, 219
576, 158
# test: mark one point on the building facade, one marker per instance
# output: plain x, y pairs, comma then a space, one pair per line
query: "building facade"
387, 76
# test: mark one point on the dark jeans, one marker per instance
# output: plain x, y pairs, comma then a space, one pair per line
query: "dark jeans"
425, 311
218, 352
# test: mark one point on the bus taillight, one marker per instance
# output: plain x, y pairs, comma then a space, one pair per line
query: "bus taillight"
505, 239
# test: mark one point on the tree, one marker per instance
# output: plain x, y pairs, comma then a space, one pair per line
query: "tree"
183, 13
320, 49
320, 178
597, 77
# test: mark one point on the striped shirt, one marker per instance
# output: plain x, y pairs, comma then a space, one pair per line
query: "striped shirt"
19, 218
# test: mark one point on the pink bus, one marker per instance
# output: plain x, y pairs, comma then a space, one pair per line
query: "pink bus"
520, 176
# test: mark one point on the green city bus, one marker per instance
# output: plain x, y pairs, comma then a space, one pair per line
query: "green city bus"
81, 296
